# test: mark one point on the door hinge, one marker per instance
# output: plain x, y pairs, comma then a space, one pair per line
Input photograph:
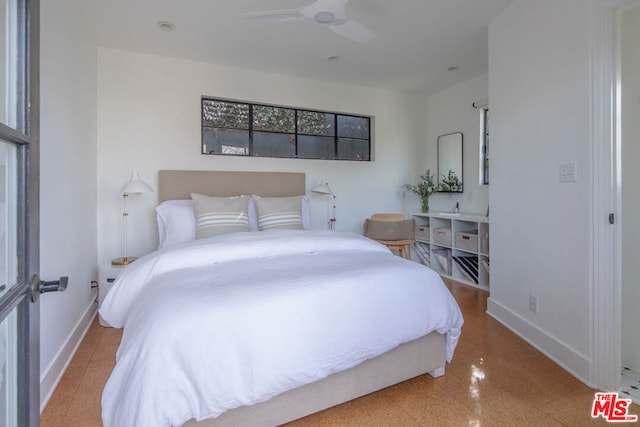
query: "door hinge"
612, 218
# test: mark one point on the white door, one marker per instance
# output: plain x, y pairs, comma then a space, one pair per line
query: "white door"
630, 73
19, 317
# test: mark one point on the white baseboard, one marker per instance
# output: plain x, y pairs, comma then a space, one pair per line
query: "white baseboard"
50, 378
568, 358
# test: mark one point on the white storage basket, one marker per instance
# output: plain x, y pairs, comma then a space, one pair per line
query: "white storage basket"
467, 240
422, 233
442, 236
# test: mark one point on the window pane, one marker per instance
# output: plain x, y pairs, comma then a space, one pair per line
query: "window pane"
486, 149
8, 217
316, 147
353, 149
316, 123
9, 370
237, 127
267, 144
225, 141
274, 119
223, 114
11, 76
353, 127
484, 154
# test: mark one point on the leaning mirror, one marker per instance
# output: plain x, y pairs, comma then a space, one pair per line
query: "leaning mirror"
450, 163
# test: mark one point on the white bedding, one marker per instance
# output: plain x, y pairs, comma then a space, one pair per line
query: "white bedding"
233, 320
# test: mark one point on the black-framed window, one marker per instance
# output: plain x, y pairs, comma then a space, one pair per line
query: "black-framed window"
246, 129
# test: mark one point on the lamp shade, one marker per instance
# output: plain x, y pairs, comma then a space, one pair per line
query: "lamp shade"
136, 185
322, 189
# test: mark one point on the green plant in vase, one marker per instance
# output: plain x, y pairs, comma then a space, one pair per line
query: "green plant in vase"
450, 183
424, 189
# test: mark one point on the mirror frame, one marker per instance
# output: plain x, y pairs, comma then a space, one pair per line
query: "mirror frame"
448, 139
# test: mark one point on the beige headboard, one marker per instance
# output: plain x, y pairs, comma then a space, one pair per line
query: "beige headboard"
176, 184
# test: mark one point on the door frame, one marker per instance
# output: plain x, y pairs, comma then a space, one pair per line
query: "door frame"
606, 143
32, 409
26, 141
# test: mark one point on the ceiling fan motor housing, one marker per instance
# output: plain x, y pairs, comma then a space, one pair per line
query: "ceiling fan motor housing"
324, 17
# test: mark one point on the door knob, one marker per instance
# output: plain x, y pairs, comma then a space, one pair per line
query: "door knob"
40, 286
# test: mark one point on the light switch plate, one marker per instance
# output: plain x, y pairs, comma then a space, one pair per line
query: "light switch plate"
568, 172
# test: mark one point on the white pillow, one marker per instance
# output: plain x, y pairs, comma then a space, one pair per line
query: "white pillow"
176, 222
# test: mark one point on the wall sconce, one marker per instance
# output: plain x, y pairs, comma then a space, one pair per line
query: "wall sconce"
324, 189
134, 186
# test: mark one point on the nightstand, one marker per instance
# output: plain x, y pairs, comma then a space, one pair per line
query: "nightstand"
107, 274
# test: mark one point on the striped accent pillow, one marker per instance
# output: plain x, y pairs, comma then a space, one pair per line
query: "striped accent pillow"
279, 212
220, 215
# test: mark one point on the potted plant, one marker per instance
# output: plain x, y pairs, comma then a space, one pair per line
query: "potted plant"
450, 183
425, 188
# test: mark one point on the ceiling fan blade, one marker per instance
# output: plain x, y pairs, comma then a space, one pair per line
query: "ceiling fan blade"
331, 4
353, 30
273, 15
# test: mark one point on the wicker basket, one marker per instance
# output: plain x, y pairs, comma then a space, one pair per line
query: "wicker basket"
442, 236
422, 233
467, 240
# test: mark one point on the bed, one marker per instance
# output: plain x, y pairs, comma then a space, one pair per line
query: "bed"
316, 318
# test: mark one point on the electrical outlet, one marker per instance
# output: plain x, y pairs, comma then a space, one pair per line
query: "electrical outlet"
533, 303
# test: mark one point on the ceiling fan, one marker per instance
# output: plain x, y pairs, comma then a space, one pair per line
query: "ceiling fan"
325, 12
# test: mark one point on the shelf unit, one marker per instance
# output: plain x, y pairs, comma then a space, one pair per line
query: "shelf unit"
441, 224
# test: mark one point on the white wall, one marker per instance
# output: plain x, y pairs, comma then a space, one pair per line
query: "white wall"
539, 86
630, 180
449, 111
68, 150
149, 119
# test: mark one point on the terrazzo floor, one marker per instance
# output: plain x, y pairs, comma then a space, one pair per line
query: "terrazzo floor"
495, 379
630, 385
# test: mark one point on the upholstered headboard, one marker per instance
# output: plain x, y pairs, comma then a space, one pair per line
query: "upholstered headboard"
179, 184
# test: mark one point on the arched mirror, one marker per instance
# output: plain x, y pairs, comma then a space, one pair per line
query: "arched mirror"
450, 163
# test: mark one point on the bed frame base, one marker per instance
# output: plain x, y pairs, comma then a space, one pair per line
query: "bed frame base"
424, 355
435, 373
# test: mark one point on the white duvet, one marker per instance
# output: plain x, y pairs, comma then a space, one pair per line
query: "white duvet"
236, 319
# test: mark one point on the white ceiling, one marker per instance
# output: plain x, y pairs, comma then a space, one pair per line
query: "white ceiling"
417, 40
